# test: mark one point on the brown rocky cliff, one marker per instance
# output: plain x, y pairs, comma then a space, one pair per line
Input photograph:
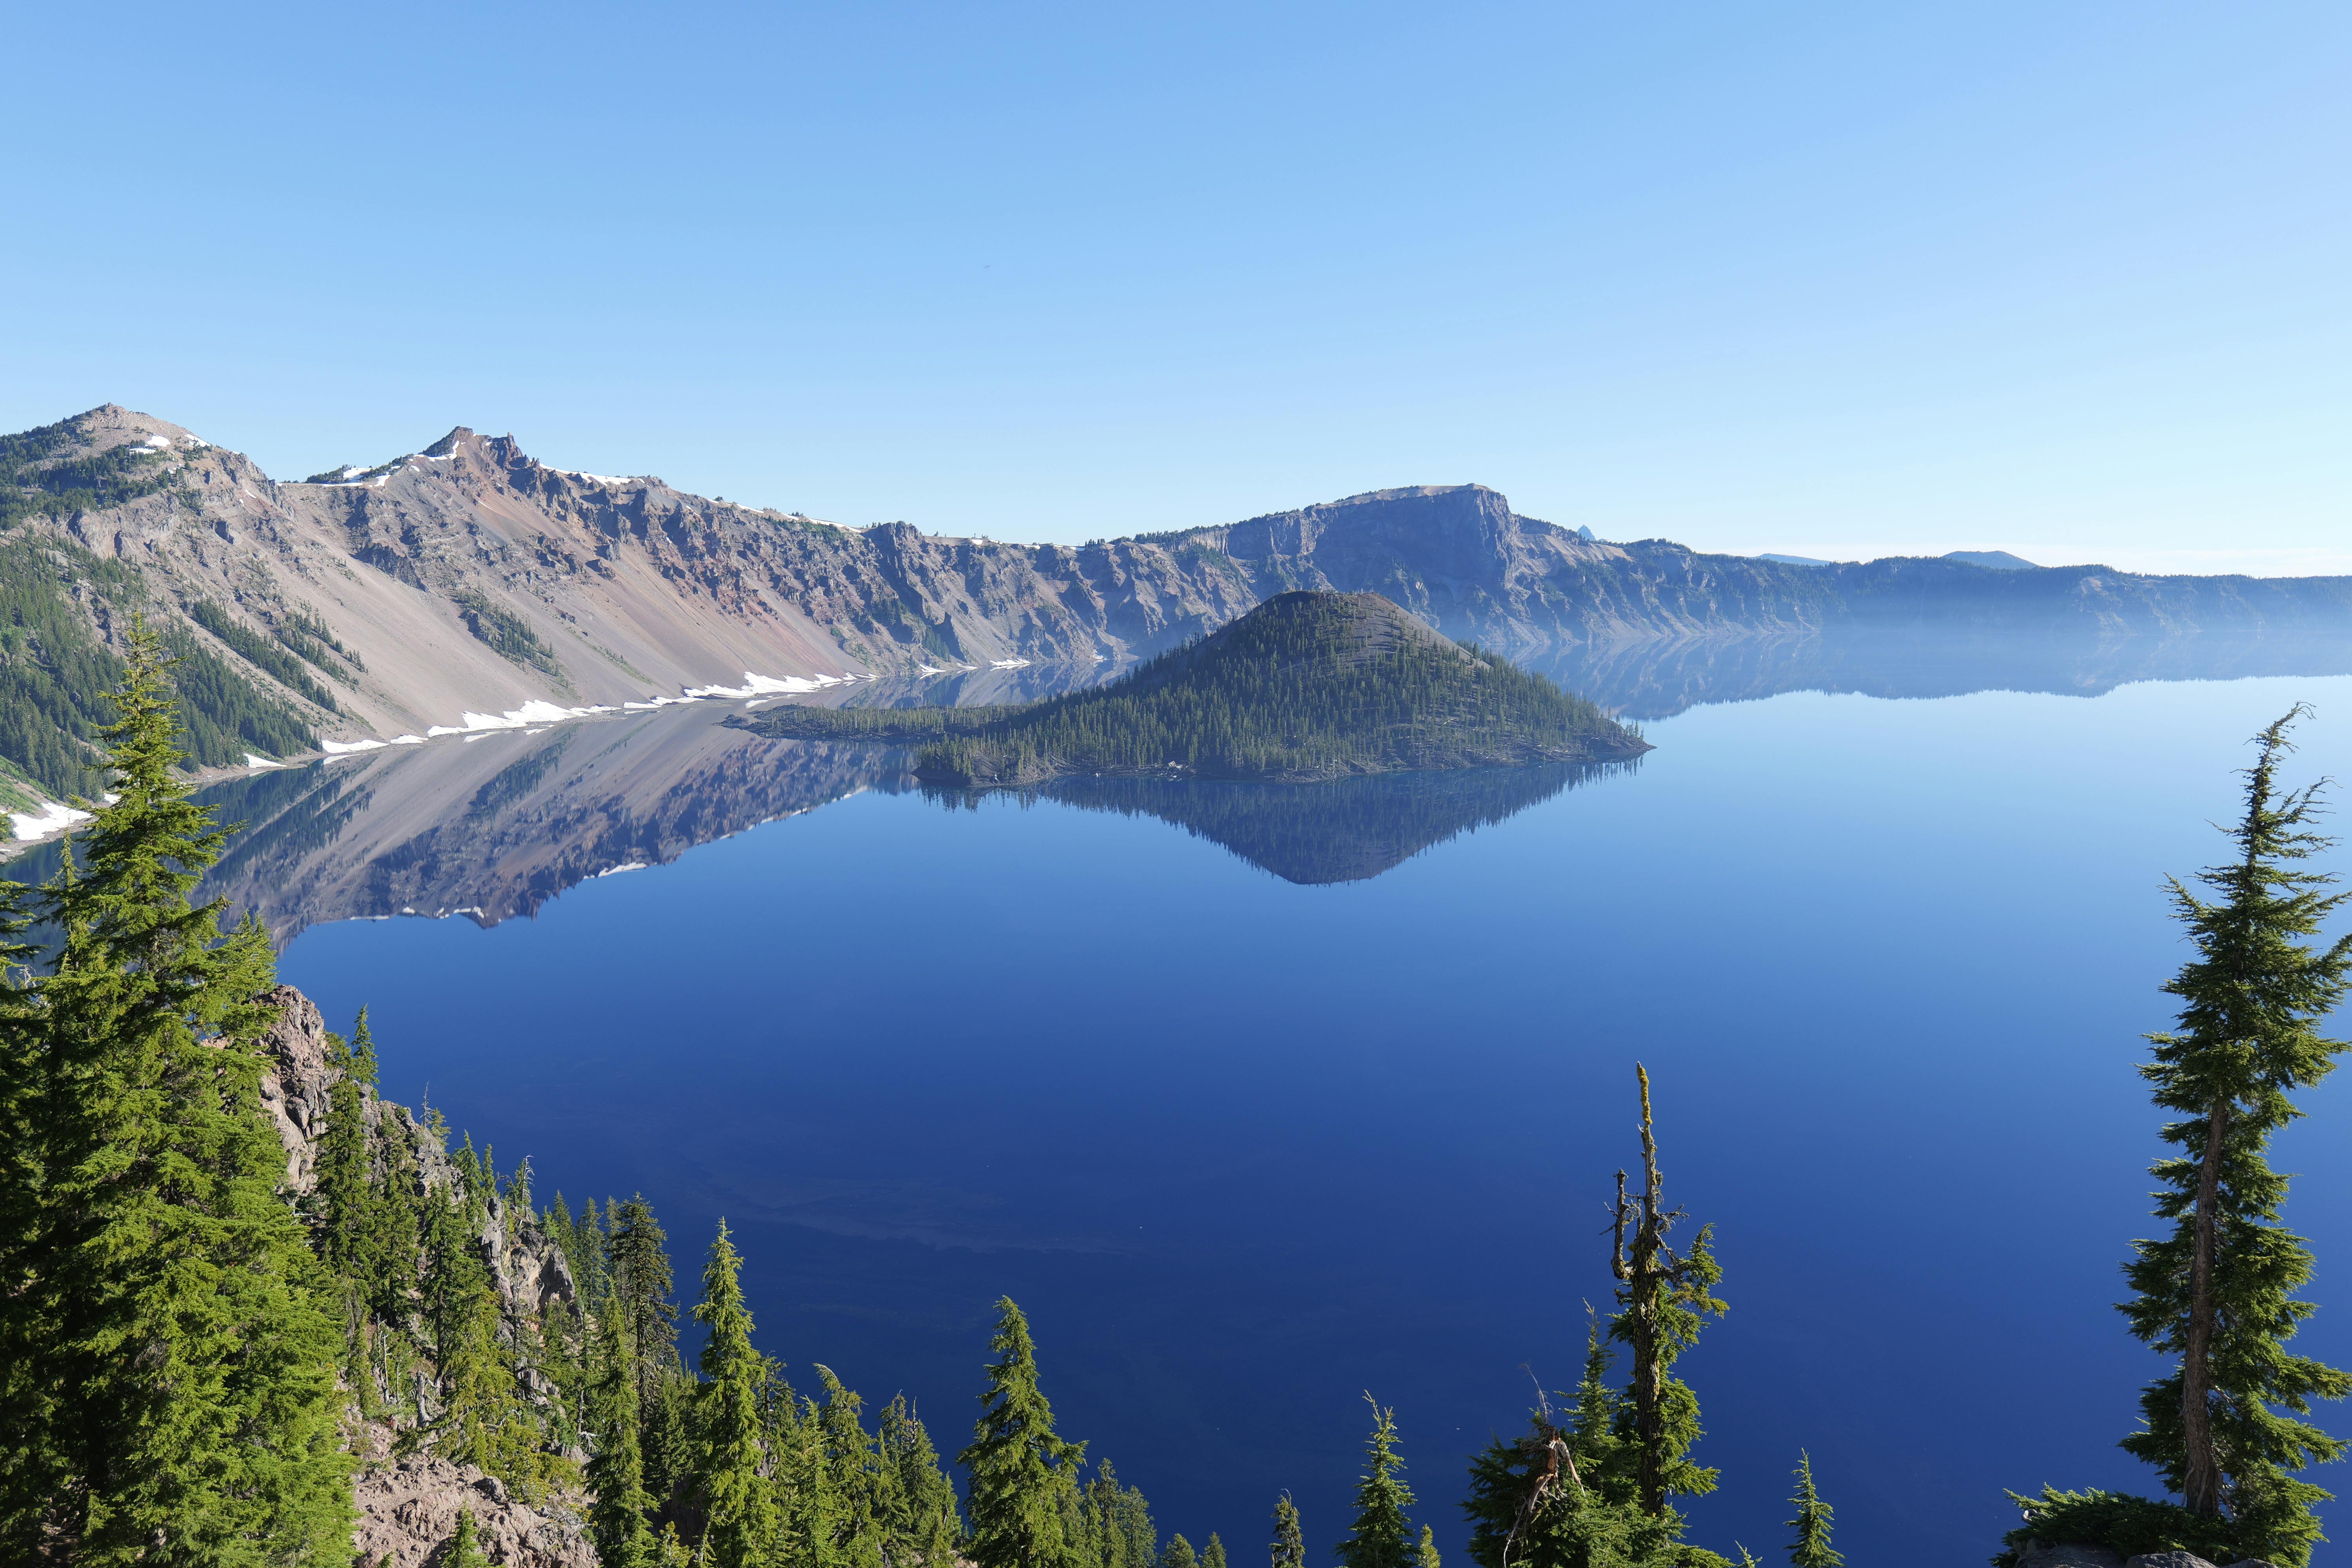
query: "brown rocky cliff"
408, 1504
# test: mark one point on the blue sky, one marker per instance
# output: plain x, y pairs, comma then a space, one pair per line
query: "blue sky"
1837, 279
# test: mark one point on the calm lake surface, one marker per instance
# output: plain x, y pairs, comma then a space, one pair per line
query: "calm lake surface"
1245, 1147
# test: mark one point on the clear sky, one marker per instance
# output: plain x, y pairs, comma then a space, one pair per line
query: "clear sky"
1836, 279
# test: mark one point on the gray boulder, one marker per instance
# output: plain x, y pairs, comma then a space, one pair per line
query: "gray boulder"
2168, 1560
2066, 1554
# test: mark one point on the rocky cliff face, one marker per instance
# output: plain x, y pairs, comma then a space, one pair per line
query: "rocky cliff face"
408, 1505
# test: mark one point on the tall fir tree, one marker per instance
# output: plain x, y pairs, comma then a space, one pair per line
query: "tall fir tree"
346, 1190
637, 1256
617, 1519
1018, 1468
2226, 1428
1810, 1547
1426, 1554
1288, 1547
1179, 1553
856, 1476
1113, 1525
168, 1334
1383, 1536
922, 1519
1212, 1555
1661, 1299
738, 1506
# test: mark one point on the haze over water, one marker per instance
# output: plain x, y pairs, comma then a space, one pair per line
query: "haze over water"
1244, 1149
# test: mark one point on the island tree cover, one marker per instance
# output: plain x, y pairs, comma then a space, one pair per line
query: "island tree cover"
2227, 1427
1307, 685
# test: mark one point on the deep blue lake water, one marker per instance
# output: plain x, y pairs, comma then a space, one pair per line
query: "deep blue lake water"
1244, 1149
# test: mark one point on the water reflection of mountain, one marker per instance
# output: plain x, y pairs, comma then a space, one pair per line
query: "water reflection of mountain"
1346, 831
496, 827
1654, 679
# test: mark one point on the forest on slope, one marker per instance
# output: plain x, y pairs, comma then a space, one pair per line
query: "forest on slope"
1307, 687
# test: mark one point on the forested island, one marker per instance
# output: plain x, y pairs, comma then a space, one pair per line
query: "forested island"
252, 1313
1305, 688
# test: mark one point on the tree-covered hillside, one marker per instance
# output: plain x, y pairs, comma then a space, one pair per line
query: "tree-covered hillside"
1307, 686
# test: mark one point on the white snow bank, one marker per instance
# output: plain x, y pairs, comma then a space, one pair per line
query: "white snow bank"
254, 760
340, 748
535, 711
406, 741
766, 686
928, 669
616, 870
1007, 663
52, 816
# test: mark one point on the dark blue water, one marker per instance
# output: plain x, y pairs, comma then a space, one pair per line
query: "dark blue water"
1244, 1149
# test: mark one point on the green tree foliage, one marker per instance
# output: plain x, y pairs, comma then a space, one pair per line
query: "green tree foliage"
1661, 1299
734, 1495
639, 1260
921, 1521
1288, 1547
1179, 1553
1295, 688
1811, 1548
1110, 1524
465, 1547
256, 651
2226, 1428
1425, 1554
166, 1348
346, 1190
1019, 1469
1212, 1555
1383, 1536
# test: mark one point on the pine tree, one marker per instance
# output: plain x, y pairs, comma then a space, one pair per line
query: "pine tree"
2218, 1293
1289, 1548
1660, 1305
1018, 1467
1113, 1525
1427, 1555
638, 1258
1811, 1549
735, 1496
464, 1550
167, 1333
1382, 1537
345, 1192
855, 1477
1212, 1555
616, 1473
922, 1518
1178, 1554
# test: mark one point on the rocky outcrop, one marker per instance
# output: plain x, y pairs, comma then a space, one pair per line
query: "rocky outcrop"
2037, 1554
408, 1504
408, 1512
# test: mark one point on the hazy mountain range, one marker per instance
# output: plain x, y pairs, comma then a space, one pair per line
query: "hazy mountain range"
468, 587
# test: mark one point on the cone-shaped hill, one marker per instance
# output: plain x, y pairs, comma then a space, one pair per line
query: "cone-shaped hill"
1308, 686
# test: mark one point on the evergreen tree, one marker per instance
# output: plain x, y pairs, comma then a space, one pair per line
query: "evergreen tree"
1212, 1555
1427, 1555
1660, 1302
1811, 1549
2224, 1428
1113, 1528
922, 1517
638, 1257
616, 1473
345, 1192
1019, 1469
735, 1497
1289, 1548
855, 1477
1382, 1538
1178, 1554
464, 1550
165, 1329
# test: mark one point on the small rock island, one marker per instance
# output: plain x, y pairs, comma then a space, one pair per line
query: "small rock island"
1307, 688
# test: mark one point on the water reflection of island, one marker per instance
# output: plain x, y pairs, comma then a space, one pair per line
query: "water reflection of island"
1345, 831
